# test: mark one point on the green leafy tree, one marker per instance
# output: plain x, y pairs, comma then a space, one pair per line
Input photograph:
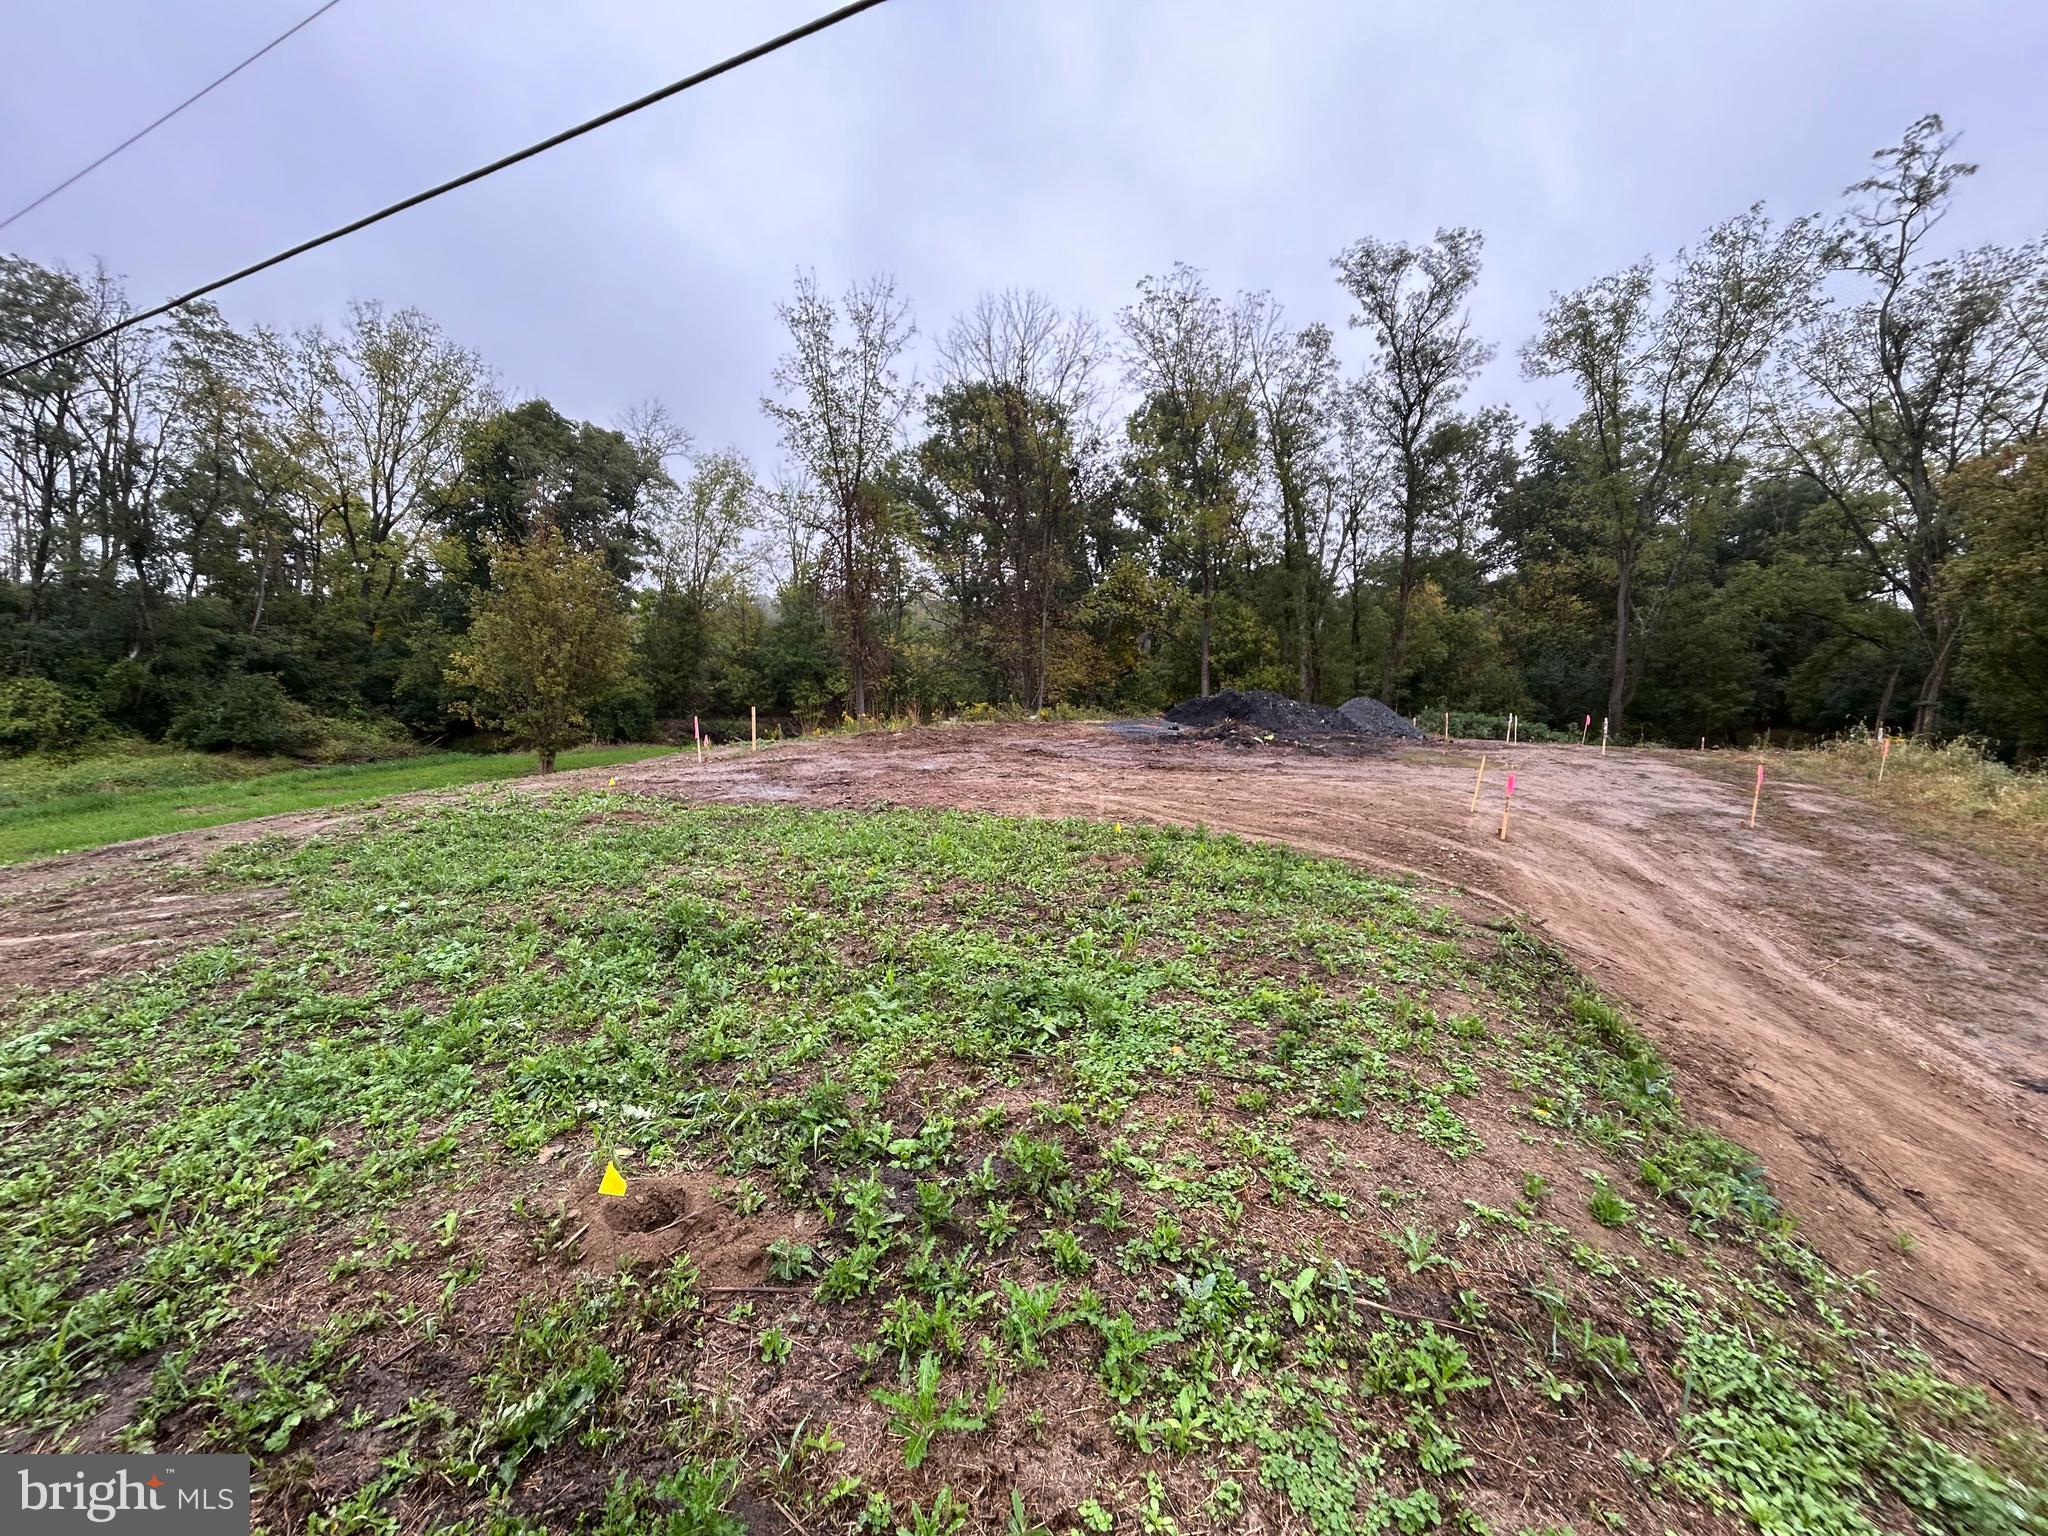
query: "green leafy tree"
998, 485
545, 647
1194, 437
1412, 303
841, 412
530, 463
1920, 361
2001, 504
1298, 399
700, 526
1663, 363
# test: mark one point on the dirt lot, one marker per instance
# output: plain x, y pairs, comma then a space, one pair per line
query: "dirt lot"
1868, 1012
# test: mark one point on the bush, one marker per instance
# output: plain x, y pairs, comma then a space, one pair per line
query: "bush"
1472, 725
354, 739
132, 698
624, 714
38, 716
249, 712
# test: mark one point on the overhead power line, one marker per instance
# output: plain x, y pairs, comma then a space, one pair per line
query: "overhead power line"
143, 133
724, 66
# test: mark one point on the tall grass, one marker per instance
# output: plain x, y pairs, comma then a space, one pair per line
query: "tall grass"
1956, 782
123, 769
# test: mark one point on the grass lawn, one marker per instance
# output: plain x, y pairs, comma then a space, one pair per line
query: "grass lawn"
983, 1174
48, 808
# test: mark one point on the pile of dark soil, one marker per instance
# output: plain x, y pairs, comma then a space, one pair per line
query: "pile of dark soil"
1259, 709
1259, 715
1370, 717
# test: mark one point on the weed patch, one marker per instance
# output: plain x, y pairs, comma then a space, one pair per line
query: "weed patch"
983, 1174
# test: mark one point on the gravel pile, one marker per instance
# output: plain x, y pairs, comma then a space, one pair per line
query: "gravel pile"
1260, 714
1369, 717
1260, 709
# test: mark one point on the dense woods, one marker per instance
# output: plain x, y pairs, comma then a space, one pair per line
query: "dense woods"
1803, 488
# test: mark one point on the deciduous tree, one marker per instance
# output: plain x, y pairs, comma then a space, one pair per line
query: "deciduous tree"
1664, 364
841, 413
544, 646
1194, 435
1412, 302
1919, 361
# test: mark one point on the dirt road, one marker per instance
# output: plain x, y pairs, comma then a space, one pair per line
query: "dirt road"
1866, 1011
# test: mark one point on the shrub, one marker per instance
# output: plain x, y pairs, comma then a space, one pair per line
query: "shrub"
353, 739
249, 712
624, 714
38, 716
132, 698
1475, 725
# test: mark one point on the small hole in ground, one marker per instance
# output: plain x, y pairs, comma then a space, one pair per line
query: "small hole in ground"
645, 1209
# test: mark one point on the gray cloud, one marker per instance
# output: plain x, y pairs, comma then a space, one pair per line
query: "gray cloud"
968, 145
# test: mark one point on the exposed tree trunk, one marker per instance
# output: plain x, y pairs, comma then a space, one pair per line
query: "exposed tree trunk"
1617, 687
1208, 596
1884, 703
1398, 640
1357, 638
1927, 708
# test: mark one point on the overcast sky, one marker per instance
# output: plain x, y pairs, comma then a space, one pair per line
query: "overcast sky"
964, 145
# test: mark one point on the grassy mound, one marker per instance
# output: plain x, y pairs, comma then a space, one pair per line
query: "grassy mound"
984, 1174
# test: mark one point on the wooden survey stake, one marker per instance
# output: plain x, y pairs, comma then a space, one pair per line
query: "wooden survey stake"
1477, 779
753, 729
1757, 794
1884, 752
1507, 802
1603, 735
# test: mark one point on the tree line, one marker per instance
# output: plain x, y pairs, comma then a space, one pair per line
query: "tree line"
1803, 487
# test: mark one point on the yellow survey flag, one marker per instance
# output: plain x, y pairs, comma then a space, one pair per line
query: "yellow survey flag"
614, 1182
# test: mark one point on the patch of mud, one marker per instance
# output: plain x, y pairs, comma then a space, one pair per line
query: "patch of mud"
664, 1214
68, 936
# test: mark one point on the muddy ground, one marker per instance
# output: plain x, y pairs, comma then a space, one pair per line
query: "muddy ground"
1865, 1008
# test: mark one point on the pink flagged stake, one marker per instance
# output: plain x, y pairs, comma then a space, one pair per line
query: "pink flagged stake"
1507, 800
1583, 729
1757, 795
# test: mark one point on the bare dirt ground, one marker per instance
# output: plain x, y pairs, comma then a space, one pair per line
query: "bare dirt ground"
1866, 1010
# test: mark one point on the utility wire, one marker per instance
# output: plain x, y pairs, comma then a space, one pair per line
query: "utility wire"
759, 50
181, 106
